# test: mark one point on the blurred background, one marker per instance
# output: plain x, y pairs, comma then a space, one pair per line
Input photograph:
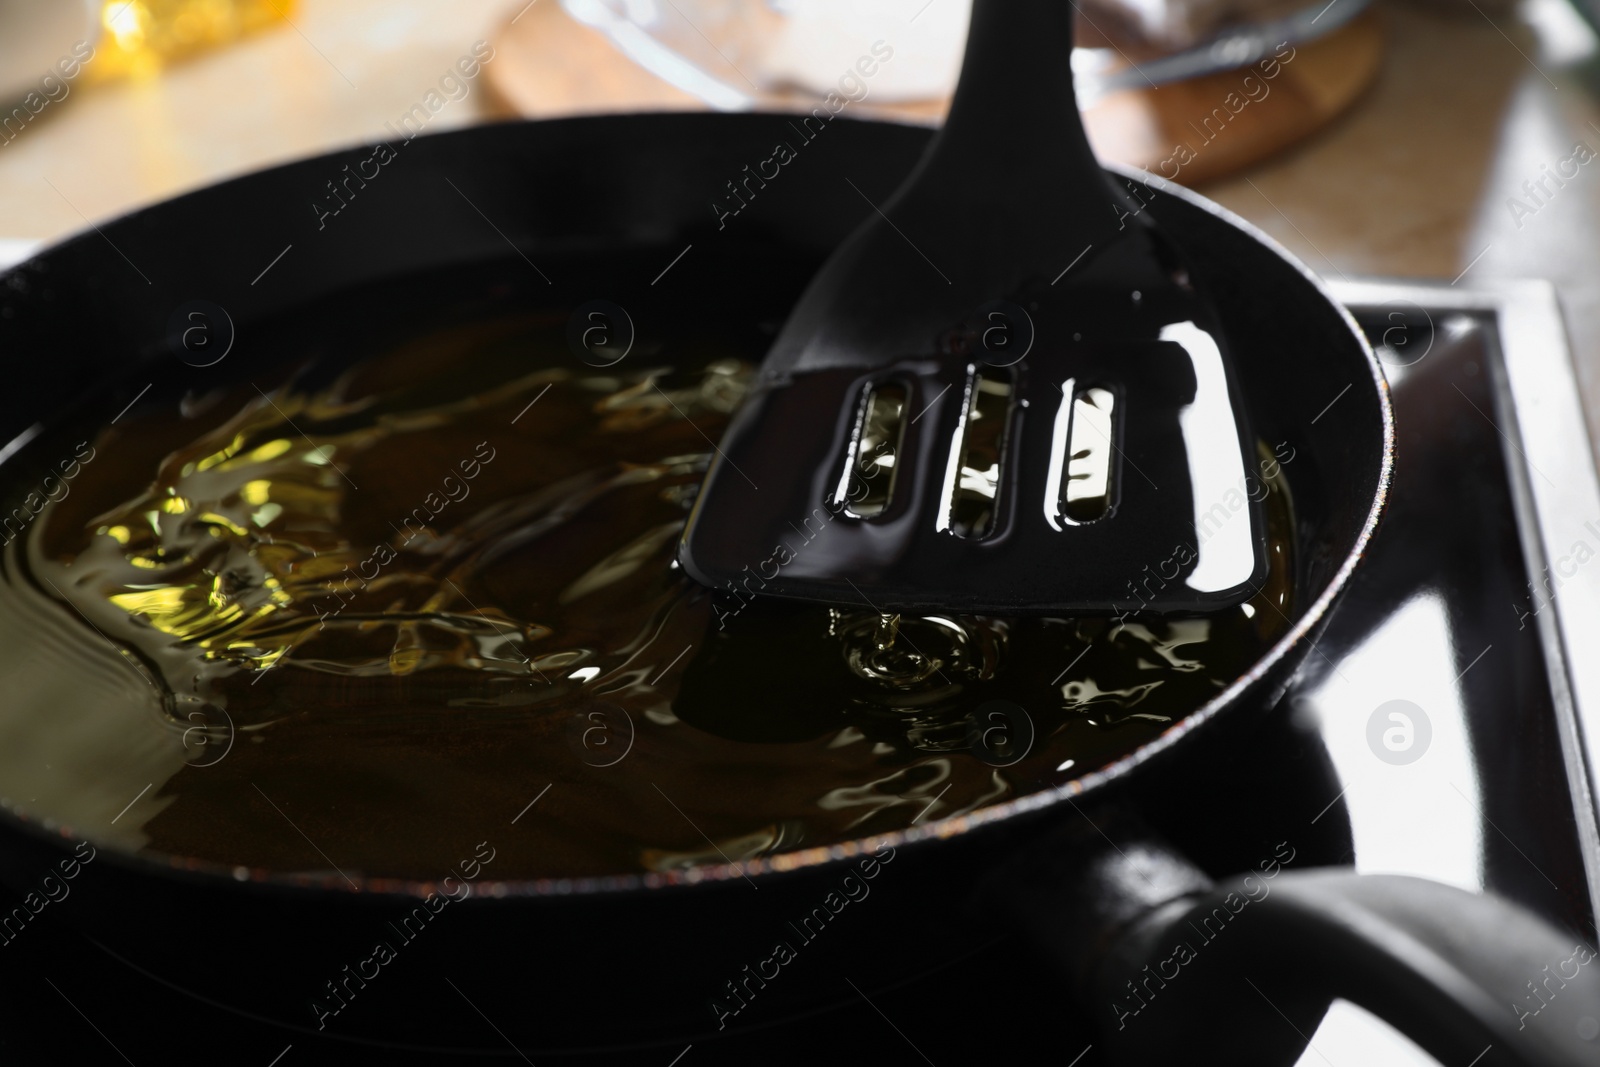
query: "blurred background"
1439, 138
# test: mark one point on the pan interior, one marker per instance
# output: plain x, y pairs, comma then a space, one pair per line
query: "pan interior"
406, 572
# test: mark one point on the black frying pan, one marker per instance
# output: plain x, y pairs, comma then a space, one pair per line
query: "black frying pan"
618, 963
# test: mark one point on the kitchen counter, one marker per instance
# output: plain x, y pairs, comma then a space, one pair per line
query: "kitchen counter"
1424, 178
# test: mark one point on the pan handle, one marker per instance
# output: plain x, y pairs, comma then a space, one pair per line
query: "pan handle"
1168, 963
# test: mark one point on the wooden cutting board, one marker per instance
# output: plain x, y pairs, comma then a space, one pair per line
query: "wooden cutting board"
548, 64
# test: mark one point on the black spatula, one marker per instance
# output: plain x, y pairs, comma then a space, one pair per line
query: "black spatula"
1003, 393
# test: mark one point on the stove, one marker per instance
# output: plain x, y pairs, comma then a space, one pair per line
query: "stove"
1456, 693
1445, 726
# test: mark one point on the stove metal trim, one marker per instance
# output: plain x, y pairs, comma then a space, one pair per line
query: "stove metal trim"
1545, 444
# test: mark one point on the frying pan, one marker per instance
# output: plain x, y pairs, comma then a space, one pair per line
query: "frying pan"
645, 962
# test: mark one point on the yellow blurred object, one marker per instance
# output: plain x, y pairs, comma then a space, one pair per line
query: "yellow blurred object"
140, 36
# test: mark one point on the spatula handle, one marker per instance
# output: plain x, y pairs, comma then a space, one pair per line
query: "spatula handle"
1016, 89
1013, 151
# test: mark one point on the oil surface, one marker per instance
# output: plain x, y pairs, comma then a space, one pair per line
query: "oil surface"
359, 620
